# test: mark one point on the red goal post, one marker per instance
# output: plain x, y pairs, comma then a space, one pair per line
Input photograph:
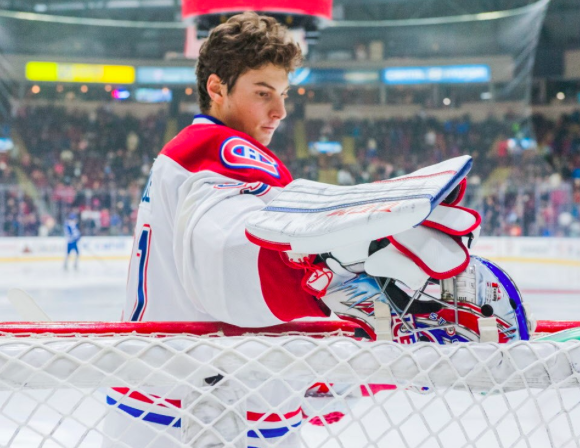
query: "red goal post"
318, 328
314, 328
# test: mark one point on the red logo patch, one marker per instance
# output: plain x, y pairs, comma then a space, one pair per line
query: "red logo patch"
238, 153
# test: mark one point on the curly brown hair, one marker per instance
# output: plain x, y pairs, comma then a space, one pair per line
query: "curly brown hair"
245, 42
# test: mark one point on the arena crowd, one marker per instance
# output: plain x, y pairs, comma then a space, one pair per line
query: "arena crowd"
96, 164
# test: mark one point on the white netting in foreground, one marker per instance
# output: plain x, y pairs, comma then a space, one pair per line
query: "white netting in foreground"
291, 391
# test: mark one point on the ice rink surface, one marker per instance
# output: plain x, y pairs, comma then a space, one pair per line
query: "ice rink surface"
96, 292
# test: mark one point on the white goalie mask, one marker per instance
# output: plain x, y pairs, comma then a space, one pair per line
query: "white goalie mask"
483, 292
482, 303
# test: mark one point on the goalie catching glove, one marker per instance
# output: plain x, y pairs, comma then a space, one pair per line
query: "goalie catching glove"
361, 243
438, 248
476, 300
358, 282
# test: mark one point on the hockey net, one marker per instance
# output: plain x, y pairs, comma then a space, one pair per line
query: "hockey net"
311, 384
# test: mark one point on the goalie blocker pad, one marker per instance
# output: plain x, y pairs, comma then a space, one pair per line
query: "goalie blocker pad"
433, 249
313, 217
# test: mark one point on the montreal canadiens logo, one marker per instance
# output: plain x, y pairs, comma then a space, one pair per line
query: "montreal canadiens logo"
237, 153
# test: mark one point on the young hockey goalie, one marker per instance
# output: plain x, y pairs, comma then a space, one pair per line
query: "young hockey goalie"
210, 245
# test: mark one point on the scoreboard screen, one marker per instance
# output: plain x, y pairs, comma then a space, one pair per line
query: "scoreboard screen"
316, 8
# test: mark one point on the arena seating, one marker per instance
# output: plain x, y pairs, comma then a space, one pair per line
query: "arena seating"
96, 163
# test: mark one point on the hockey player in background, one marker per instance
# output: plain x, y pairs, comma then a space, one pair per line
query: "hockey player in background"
72, 234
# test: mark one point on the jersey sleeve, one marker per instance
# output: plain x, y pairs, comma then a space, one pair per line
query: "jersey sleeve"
230, 278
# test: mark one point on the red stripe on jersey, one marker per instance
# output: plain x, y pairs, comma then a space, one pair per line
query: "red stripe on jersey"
135, 395
255, 416
368, 390
267, 244
197, 148
282, 290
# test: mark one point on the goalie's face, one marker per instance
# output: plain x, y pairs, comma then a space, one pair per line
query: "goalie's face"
255, 105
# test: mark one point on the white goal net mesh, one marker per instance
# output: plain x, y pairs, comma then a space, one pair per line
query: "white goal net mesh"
183, 390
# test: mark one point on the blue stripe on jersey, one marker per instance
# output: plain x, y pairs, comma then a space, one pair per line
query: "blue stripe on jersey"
351, 204
271, 433
149, 416
263, 187
141, 292
207, 117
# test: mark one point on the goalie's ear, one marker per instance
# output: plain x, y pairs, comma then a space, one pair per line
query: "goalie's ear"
216, 89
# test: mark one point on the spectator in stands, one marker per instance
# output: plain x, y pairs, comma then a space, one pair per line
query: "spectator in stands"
74, 157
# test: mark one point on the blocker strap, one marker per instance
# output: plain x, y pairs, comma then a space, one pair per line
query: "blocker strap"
312, 217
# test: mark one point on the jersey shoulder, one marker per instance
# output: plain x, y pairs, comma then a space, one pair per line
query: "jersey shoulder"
225, 151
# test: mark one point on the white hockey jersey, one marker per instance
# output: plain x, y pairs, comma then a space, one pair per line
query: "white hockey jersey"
191, 260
